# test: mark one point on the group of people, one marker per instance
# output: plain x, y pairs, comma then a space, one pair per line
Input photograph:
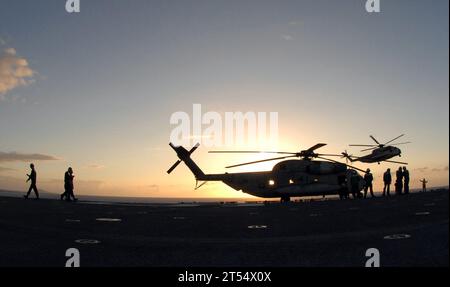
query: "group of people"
401, 183
68, 194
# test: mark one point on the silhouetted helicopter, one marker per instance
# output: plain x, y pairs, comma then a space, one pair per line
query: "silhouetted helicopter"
380, 152
289, 178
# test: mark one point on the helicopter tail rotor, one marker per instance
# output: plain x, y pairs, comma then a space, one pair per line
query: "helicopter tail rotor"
185, 155
346, 156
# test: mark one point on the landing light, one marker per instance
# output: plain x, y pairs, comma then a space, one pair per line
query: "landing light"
271, 182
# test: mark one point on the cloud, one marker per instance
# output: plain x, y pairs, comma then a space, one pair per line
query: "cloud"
2, 42
153, 187
14, 156
287, 37
95, 166
428, 170
295, 23
14, 71
6, 169
440, 169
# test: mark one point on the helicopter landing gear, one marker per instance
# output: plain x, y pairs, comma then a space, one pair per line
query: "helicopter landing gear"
285, 199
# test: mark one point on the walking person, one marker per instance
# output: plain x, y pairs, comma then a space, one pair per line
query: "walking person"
68, 186
33, 178
387, 179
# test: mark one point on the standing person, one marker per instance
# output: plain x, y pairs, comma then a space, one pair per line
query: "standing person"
424, 185
368, 178
387, 179
399, 181
33, 177
68, 185
406, 180
355, 187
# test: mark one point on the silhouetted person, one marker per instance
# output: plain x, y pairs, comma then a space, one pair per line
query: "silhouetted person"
33, 178
387, 179
68, 186
368, 178
424, 185
406, 180
343, 192
399, 181
354, 182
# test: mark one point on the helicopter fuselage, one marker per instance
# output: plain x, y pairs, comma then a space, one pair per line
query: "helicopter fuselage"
290, 178
380, 154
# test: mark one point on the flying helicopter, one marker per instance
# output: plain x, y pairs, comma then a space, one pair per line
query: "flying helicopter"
380, 152
288, 178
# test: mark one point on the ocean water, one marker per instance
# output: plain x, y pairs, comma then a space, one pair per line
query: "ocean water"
161, 200
140, 200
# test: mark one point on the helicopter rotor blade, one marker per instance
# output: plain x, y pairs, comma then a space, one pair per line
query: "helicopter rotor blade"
317, 146
332, 160
173, 166
194, 148
374, 139
324, 154
251, 151
367, 149
401, 143
258, 161
399, 162
362, 145
394, 139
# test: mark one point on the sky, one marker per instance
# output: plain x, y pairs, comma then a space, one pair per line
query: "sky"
95, 90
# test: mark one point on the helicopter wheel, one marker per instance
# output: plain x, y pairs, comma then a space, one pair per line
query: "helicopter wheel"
285, 199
